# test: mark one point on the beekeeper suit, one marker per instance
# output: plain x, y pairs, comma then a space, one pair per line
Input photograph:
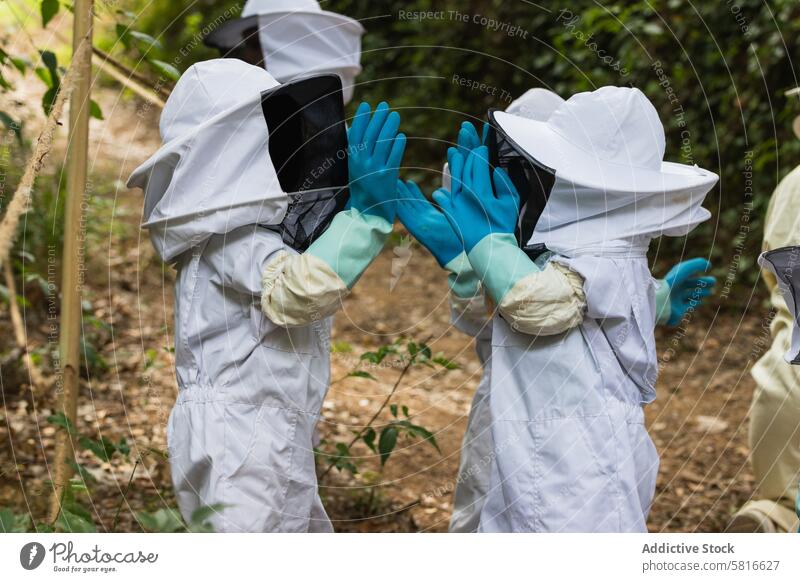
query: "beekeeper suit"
775, 411
470, 315
245, 199
573, 350
683, 289
293, 38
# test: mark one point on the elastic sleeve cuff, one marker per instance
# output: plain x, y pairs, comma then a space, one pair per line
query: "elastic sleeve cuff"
663, 304
545, 303
463, 280
298, 290
351, 243
500, 264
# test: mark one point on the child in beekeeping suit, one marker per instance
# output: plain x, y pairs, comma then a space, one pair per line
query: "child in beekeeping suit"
683, 288
573, 349
246, 199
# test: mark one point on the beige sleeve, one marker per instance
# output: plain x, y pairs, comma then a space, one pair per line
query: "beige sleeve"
300, 289
548, 302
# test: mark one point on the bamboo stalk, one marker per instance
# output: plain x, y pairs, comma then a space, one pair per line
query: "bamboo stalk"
36, 378
21, 200
131, 84
72, 262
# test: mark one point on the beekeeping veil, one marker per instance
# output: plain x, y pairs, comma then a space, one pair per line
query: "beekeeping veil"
295, 38
241, 149
785, 264
599, 191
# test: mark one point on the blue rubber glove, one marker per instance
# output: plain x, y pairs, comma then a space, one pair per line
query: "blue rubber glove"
375, 153
467, 141
486, 218
475, 211
427, 224
687, 289
432, 229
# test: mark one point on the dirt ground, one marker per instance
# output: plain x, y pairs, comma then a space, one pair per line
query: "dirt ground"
698, 422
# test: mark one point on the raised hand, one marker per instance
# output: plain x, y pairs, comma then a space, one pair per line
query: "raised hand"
427, 224
375, 153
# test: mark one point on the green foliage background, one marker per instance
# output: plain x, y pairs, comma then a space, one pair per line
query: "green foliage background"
728, 63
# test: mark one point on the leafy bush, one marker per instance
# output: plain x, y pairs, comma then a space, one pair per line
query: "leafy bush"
717, 72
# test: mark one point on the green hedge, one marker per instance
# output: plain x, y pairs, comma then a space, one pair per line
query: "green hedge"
717, 72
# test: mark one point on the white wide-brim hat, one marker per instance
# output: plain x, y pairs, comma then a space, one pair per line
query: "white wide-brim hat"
537, 103
608, 139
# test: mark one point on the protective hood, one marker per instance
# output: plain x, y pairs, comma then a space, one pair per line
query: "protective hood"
595, 169
218, 170
297, 38
785, 264
213, 174
605, 150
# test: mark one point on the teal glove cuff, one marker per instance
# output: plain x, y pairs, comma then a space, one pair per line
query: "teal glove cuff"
351, 243
463, 279
500, 263
663, 304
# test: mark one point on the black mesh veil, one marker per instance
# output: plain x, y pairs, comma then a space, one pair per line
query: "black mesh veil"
308, 148
533, 181
785, 264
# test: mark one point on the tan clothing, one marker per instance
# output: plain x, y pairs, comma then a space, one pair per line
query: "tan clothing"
775, 413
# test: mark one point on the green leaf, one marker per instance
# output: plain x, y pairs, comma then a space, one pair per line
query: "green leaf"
362, 374
426, 351
145, 41
387, 442
8, 521
44, 528
103, 449
405, 411
122, 34
44, 75
95, 111
59, 419
341, 348
393, 409
165, 69
199, 520
72, 523
419, 431
445, 363
165, 520
82, 472
51, 63
49, 10
11, 523
14, 126
369, 439
49, 100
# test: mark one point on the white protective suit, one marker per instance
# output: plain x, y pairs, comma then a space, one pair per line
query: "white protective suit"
252, 317
573, 366
470, 315
298, 38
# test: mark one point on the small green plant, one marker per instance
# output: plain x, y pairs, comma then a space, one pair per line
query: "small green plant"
382, 439
75, 516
